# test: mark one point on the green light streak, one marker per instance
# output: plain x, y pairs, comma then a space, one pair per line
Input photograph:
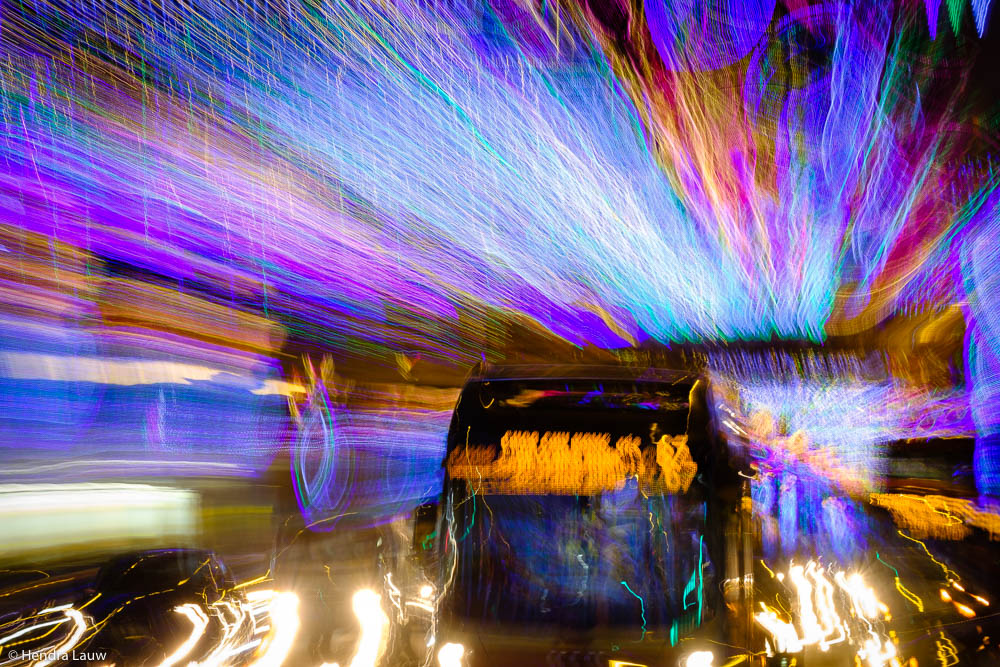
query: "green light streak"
642, 608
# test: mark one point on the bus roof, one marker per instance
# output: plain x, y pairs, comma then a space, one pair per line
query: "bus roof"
489, 372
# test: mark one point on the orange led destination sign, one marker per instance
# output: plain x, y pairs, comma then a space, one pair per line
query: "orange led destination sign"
573, 464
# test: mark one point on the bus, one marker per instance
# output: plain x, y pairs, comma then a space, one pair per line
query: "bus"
588, 516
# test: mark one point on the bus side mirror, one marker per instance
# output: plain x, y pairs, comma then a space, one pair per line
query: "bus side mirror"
424, 531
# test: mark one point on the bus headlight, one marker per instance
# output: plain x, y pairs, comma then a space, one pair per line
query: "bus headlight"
450, 655
699, 659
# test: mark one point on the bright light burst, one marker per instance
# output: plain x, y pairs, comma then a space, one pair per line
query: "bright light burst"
829, 607
371, 167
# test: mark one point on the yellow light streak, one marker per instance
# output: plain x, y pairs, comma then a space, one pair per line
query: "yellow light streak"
950, 574
965, 610
947, 654
579, 463
909, 595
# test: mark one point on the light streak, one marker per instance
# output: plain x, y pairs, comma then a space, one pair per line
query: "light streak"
642, 607
32, 628
786, 638
51, 515
373, 168
374, 626
811, 631
877, 653
242, 648
79, 627
199, 621
485, 176
938, 517
905, 592
283, 611
950, 574
861, 596
947, 654
965, 610
69, 613
253, 582
578, 464
64, 368
223, 648
395, 595
817, 612
829, 622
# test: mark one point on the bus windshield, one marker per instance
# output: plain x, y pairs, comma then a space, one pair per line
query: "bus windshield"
577, 507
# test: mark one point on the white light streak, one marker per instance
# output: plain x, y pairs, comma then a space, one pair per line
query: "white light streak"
374, 623
284, 612
198, 623
71, 641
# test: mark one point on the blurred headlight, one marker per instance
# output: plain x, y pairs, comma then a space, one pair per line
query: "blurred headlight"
451, 655
700, 659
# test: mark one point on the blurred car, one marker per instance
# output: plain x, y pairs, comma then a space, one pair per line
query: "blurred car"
892, 576
40, 618
588, 517
931, 466
167, 606
948, 533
